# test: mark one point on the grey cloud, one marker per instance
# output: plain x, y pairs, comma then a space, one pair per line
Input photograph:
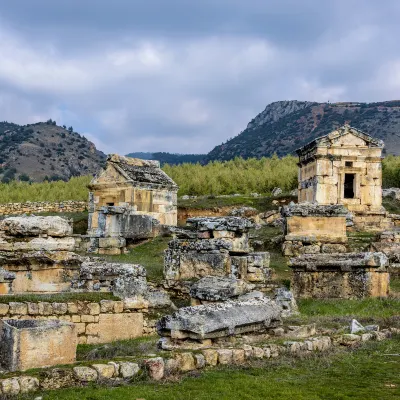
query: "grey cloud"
184, 76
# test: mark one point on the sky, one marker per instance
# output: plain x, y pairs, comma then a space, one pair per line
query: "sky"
186, 75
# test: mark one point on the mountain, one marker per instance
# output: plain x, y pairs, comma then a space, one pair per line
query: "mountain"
169, 158
36, 151
285, 126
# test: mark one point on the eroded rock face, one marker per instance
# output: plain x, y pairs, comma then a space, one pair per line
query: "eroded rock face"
35, 226
221, 319
234, 224
213, 288
124, 280
306, 209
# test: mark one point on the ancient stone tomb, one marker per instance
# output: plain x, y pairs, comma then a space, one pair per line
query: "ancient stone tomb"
127, 202
345, 167
340, 275
215, 246
29, 344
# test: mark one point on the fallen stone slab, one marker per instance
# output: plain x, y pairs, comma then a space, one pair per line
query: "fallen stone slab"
221, 319
35, 226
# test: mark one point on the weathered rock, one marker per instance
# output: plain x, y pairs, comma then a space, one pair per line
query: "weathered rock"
286, 300
276, 191
104, 371
10, 386
124, 280
128, 369
34, 226
155, 368
235, 224
85, 374
306, 209
28, 384
220, 319
356, 327
393, 193
200, 361
186, 362
57, 378
212, 288
225, 356
211, 357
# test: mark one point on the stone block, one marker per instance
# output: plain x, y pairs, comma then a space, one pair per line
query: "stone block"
28, 384
238, 356
85, 374
104, 371
225, 356
10, 387
16, 308
186, 361
128, 370
211, 357
130, 326
200, 361
29, 344
155, 368
4, 309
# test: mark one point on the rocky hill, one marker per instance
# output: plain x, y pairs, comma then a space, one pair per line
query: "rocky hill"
44, 150
285, 126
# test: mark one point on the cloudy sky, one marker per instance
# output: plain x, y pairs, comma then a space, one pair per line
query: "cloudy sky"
186, 75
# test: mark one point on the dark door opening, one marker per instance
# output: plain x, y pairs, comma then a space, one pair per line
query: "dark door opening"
349, 186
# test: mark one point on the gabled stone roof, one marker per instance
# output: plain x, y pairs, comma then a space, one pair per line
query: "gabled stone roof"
327, 140
141, 171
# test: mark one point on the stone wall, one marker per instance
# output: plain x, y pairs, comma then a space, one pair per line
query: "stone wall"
43, 206
159, 368
95, 322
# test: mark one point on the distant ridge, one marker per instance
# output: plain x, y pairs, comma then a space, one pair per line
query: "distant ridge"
284, 126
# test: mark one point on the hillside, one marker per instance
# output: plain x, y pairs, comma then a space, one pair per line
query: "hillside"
169, 158
36, 151
285, 126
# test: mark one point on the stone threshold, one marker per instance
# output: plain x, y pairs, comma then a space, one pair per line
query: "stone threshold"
158, 368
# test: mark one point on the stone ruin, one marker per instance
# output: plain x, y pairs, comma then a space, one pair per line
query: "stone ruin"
27, 344
389, 244
129, 201
315, 241
214, 246
312, 228
340, 275
205, 324
36, 255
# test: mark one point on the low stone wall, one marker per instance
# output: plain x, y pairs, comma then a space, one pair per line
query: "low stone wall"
43, 206
157, 368
96, 322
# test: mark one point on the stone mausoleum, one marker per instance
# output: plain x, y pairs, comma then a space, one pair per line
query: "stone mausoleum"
345, 167
127, 201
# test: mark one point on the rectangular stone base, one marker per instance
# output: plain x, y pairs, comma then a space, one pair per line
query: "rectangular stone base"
359, 283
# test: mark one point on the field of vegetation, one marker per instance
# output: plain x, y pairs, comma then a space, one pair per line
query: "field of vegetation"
215, 178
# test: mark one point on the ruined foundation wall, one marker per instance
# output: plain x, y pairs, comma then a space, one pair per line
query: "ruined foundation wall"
96, 322
43, 206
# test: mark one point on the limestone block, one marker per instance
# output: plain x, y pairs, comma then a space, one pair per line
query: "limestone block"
28, 384
155, 368
16, 308
4, 308
10, 386
29, 344
104, 371
197, 265
72, 308
186, 361
112, 242
85, 374
331, 248
238, 356
248, 351
258, 352
128, 370
225, 356
45, 308
130, 326
171, 366
60, 308
87, 318
200, 361
94, 308
106, 306
211, 356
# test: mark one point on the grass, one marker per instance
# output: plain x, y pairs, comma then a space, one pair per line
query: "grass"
58, 297
368, 373
149, 254
122, 348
